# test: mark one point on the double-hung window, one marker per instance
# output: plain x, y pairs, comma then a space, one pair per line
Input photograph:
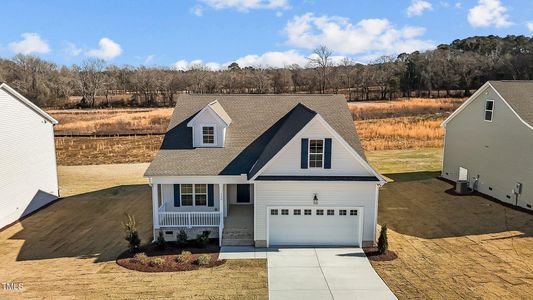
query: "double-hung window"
193, 195
489, 110
208, 135
316, 153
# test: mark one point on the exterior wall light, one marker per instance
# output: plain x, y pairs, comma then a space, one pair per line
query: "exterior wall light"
315, 199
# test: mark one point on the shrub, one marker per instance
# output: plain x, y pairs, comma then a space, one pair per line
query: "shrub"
184, 257
157, 262
203, 239
182, 238
141, 258
132, 236
383, 243
204, 260
160, 242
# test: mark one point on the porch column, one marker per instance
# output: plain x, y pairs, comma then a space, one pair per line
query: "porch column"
221, 188
155, 207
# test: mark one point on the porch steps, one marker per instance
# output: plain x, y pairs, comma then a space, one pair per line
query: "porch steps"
237, 237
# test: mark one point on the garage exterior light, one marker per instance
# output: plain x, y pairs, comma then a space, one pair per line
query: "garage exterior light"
315, 199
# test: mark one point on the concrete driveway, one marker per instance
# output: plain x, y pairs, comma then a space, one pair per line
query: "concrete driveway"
323, 273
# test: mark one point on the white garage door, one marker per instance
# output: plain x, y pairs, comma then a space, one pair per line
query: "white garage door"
314, 226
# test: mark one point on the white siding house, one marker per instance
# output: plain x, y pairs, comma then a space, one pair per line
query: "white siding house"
275, 171
489, 142
28, 173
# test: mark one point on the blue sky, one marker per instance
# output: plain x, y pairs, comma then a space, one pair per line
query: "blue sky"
252, 32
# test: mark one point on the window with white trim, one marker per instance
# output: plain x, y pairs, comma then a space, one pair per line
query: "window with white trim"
319, 212
193, 194
284, 212
316, 153
307, 212
208, 134
489, 110
274, 212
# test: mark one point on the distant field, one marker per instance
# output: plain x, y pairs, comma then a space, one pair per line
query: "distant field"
385, 125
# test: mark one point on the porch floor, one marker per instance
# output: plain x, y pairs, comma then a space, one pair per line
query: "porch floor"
239, 226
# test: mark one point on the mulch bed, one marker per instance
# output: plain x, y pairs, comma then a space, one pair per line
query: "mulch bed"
169, 254
373, 254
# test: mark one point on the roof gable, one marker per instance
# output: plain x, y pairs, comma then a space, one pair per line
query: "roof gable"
27, 102
216, 110
516, 94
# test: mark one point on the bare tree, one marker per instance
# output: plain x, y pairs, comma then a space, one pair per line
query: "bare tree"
321, 61
91, 79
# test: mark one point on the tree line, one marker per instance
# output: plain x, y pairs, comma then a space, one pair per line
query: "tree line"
453, 69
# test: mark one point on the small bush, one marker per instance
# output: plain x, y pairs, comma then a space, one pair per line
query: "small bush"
203, 239
132, 236
184, 257
160, 242
141, 258
383, 243
204, 260
182, 238
157, 262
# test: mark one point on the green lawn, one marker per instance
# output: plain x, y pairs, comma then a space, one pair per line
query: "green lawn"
406, 161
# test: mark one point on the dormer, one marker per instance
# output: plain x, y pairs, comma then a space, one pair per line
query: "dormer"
209, 126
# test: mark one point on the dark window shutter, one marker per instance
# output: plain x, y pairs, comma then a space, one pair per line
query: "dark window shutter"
210, 195
177, 195
327, 154
304, 153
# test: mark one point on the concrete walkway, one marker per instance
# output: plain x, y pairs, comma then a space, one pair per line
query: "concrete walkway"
316, 273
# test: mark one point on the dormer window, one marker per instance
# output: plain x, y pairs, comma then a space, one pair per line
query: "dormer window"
208, 135
489, 110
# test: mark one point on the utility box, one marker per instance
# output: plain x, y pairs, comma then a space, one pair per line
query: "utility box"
461, 187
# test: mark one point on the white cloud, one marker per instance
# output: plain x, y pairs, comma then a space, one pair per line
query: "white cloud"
489, 13
279, 14
108, 49
247, 5
184, 65
150, 58
197, 10
30, 43
418, 7
368, 37
530, 26
72, 50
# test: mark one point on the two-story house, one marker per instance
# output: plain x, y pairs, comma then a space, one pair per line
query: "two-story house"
264, 170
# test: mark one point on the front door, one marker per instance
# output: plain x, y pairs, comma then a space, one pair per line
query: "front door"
243, 193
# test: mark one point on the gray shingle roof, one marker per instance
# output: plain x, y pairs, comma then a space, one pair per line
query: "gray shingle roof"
256, 120
519, 95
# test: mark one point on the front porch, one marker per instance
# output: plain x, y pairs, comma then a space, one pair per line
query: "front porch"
198, 206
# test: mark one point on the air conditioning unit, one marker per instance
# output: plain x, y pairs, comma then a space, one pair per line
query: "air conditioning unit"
461, 187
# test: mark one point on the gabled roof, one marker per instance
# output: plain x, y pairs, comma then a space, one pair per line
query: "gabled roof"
295, 120
217, 109
517, 94
256, 119
27, 102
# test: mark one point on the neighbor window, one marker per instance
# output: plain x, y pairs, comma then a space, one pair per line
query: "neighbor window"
285, 212
489, 110
193, 194
208, 134
297, 212
342, 212
307, 212
353, 212
331, 212
319, 212
274, 212
316, 153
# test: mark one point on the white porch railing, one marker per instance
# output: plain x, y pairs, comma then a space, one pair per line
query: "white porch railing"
189, 219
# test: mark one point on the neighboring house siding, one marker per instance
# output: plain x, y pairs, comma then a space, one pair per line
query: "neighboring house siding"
330, 194
500, 152
28, 173
289, 160
168, 198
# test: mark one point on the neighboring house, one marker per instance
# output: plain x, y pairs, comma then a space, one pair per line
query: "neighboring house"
28, 172
489, 142
264, 170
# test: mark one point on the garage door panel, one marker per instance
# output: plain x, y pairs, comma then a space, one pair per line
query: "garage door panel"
314, 230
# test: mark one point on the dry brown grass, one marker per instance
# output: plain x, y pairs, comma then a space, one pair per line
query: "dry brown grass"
403, 108
106, 150
111, 121
401, 133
